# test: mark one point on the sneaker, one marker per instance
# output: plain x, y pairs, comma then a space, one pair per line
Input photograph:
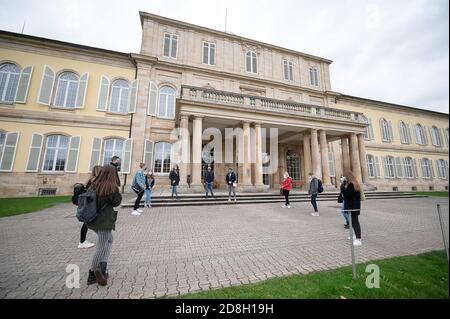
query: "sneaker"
85, 244
140, 210
288, 206
357, 242
135, 213
354, 237
284, 206
315, 214
346, 226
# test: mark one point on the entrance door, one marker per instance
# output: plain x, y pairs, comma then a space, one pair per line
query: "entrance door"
293, 167
265, 169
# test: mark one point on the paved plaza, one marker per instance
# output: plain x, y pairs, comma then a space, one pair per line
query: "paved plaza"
172, 251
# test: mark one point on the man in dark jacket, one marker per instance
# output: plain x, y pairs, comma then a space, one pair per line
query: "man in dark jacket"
115, 161
209, 180
231, 182
174, 177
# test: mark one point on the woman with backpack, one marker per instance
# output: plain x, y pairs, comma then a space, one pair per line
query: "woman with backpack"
352, 204
149, 183
107, 196
286, 188
83, 242
313, 191
138, 186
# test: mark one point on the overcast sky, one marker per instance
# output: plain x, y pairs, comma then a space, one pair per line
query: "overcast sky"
390, 50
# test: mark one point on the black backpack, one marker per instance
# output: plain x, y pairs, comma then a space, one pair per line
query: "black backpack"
320, 186
87, 206
78, 189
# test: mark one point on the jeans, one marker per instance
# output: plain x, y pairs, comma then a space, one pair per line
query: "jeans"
83, 233
313, 202
231, 189
148, 196
174, 191
344, 213
208, 188
286, 197
137, 203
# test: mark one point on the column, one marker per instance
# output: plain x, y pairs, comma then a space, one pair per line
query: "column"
362, 158
326, 180
315, 154
354, 157
185, 151
197, 151
247, 165
258, 156
306, 156
345, 154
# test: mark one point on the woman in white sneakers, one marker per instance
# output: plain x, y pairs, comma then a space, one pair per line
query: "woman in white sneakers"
352, 204
286, 188
138, 186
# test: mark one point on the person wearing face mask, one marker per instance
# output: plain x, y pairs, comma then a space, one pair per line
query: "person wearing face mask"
313, 191
341, 201
286, 187
115, 161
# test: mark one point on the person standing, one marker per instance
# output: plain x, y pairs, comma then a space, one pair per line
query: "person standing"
115, 161
341, 201
286, 188
83, 242
108, 197
138, 185
352, 203
313, 191
174, 177
209, 180
149, 183
231, 182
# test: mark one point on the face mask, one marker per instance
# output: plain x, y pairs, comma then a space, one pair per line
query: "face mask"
310, 178
343, 179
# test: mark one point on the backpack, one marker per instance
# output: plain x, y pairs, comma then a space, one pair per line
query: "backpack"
78, 189
87, 206
320, 186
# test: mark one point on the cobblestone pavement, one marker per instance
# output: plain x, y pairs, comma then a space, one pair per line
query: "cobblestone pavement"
172, 251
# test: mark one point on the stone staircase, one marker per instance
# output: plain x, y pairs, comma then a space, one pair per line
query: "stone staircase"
257, 198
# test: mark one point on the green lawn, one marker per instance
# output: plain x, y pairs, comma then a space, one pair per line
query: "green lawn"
422, 276
437, 194
17, 206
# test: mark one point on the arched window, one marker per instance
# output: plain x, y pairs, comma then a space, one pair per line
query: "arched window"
404, 133
66, 90
408, 165
112, 147
385, 130
420, 135
371, 165
163, 151
426, 168
9, 78
55, 153
442, 168
436, 136
389, 167
119, 96
166, 102
251, 62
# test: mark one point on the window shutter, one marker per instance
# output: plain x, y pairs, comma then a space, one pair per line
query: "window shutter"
72, 157
432, 172
128, 148
399, 167
24, 84
446, 169
9, 151
391, 133
371, 134
95, 152
441, 137
425, 129
415, 171
152, 99
384, 160
377, 166
409, 137
47, 82
35, 152
133, 97
103, 93
81, 94
402, 134
148, 153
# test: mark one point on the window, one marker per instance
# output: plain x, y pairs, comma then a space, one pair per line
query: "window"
426, 168
404, 133
55, 153
112, 147
386, 133
292, 162
288, 68
331, 164
209, 50
166, 102
371, 165
170, 45
162, 157
251, 63
441, 168
408, 165
66, 90
313, 76
436, 136
2, 143
420, 135
389, 167
9, 78
119, 96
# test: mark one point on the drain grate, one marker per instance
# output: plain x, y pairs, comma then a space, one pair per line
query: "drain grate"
47, 191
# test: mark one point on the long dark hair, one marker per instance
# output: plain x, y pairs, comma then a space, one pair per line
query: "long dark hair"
106, 182
95, 172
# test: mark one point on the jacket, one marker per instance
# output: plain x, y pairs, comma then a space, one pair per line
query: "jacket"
107, 216
313, 186
139, 179
174, 177
149, 183
231, 178
209, 177
286, 185
352, 199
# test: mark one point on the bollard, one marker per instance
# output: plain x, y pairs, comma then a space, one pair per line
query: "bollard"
444, 238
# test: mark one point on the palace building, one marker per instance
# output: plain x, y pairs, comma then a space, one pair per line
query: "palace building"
66, 107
